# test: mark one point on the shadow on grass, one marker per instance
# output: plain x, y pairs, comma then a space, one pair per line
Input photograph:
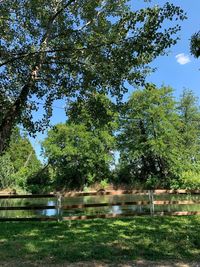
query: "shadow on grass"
150, 238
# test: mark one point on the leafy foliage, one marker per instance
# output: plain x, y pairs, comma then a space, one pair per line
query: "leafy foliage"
195, 44
189, 179
189, 114
22, 153
40, 181
149, 137
96, 111
78, 156
57, 49
6, 171
159, 139
18, 163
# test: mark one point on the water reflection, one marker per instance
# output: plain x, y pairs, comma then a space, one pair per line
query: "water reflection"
58, 213
49, 212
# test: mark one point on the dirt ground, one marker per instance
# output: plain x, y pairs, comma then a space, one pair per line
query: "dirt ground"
139, 263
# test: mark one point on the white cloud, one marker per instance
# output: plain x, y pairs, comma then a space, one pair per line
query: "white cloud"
182, 59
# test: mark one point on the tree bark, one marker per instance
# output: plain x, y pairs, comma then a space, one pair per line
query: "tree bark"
11, 117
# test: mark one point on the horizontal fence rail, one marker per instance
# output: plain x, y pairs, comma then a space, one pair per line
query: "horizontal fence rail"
7, 196
128, 192
59, 207
28, 208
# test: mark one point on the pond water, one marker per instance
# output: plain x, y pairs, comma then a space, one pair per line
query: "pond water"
97, 210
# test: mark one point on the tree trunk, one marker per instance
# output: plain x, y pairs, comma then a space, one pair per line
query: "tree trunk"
12, 116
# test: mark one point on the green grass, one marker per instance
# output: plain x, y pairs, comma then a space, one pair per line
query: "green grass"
114, 240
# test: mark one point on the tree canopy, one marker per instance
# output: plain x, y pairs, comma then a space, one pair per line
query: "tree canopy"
18, 162
148, 141
21, 152
156, 135
78, 156
189, 115
56, 49
96, 111
81, 152
159, 137
195, 44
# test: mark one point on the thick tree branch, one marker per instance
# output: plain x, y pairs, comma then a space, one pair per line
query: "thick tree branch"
25, 54
15, 111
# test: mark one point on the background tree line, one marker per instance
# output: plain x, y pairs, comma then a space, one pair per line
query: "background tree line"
157, 138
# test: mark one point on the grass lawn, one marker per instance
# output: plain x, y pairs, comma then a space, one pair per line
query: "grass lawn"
107, 240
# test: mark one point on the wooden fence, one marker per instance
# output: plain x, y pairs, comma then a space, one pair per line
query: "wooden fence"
60, 207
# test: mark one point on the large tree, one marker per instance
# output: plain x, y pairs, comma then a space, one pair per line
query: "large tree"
55, 49
78, 156
149, 137
18, 162
189, 114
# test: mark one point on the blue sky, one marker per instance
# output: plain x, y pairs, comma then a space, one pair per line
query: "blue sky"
178, 69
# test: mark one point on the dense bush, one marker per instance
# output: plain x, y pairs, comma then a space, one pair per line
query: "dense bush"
189, 180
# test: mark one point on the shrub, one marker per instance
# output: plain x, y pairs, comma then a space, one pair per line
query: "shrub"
104, 183
189, 180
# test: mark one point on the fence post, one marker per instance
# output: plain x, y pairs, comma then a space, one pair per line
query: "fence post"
59, 207
151, 199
